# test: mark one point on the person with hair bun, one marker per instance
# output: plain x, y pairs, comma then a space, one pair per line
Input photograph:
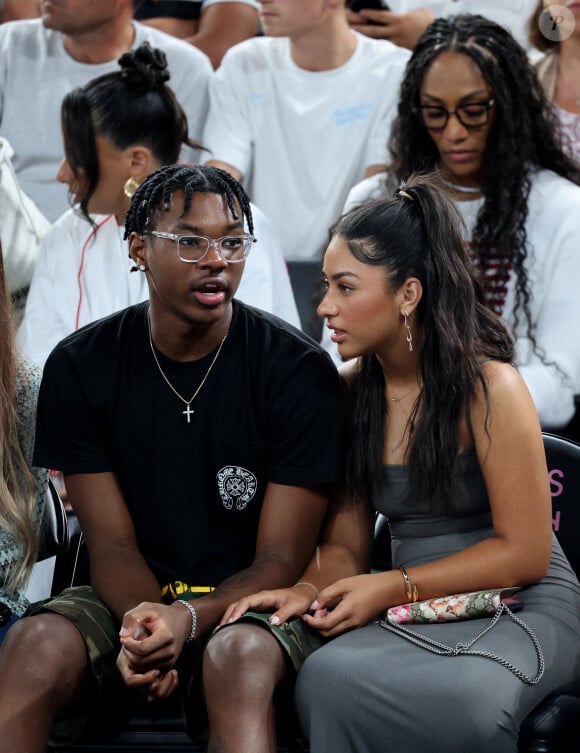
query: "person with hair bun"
73, 42
117, 129
22, 487
471, 106
442, 437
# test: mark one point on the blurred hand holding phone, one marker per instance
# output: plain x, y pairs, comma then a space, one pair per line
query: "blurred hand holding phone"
356, 5
375, 19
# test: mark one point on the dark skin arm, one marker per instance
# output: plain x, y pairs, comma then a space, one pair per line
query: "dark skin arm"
287, 535
403, 29
119, 572
344, 551
219, 27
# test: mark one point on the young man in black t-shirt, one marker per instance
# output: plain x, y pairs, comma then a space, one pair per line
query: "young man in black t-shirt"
198, 438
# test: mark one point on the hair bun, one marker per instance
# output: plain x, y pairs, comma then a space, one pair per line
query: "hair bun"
145, 68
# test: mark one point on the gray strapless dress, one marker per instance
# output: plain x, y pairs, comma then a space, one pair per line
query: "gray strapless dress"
371, 691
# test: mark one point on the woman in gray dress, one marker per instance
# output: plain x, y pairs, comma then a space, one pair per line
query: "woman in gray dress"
443, 438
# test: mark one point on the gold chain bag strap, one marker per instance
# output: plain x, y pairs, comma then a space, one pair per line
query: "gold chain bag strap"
494, 602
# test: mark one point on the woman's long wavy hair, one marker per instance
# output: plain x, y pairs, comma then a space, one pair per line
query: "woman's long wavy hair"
17, 488
419, 235
522, 138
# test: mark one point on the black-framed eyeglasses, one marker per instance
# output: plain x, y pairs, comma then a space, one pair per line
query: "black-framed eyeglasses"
193, 248
472, 115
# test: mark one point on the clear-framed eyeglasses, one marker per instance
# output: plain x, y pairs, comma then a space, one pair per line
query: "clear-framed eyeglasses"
193, 248
472, 115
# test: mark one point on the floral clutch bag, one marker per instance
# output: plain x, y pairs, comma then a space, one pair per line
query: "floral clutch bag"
457, 607
495, 603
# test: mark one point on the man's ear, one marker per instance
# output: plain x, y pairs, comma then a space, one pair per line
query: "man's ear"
137, 252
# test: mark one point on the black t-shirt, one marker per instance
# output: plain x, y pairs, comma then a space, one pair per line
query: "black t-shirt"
269, 411
168, 8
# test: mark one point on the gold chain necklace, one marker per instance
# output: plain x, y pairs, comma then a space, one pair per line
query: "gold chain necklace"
187, 412
396, 398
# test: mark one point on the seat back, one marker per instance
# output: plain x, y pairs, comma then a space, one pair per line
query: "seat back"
563, 457
54, 534
553, 726
305, 276
48, 574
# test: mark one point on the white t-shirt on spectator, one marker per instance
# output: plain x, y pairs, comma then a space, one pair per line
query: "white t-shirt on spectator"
300, 138
512, 14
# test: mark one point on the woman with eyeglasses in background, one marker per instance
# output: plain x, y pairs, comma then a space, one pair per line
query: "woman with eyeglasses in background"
117, 129
471, 106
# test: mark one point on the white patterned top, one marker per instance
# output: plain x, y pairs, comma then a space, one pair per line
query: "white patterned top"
570, 128
27, 383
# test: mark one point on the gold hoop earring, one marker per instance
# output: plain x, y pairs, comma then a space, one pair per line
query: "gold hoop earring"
408, 328
131, 185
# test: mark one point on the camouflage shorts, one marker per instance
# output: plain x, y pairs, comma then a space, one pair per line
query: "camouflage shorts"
105, 695
297, 642
296, 639
100, 632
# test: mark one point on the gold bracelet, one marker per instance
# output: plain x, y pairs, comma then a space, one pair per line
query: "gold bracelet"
306, 583
410, 588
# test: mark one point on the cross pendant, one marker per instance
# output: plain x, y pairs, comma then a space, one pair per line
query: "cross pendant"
188, 412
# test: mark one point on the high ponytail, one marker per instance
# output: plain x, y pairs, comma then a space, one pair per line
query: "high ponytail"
417, 233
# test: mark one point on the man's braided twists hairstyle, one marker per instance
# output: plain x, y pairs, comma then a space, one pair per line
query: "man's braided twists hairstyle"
154, 195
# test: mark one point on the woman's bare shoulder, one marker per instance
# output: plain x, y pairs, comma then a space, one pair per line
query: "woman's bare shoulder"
508, 406
502, 379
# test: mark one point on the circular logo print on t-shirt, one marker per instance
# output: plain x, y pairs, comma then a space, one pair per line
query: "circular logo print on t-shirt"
236, 486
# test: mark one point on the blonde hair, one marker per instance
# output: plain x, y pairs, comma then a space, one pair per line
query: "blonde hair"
17, 486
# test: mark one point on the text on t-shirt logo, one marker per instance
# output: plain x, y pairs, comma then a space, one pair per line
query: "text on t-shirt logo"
236, 485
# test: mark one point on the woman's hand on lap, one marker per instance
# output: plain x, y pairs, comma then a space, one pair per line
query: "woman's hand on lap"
284, 602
